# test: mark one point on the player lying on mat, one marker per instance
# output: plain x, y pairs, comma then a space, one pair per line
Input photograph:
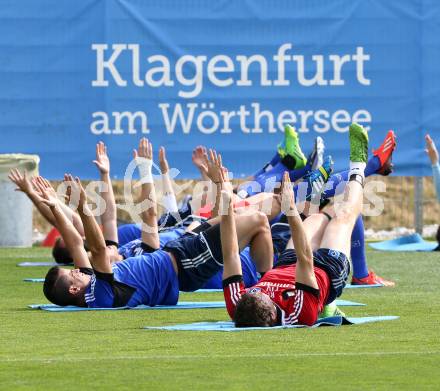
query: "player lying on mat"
151, 279
380, 163
314, 268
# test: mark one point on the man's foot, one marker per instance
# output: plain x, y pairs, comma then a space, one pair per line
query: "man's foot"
290, 152
358, 144
316, 157
372, 279
316, 179
331, 310
385, 154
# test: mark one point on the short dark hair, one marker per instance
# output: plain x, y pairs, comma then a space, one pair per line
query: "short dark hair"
252, 311
60, 253
56, 288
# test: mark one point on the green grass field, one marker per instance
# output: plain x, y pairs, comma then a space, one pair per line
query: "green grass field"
103, 350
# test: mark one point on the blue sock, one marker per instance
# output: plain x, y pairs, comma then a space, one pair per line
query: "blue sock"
268, 166
298, 174
373, 165
266, 180
358, 258
332, 184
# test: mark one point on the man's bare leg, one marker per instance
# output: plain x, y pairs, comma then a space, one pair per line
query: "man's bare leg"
337, 236
254, 231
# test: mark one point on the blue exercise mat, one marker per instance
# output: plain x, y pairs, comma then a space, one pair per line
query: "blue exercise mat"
30, 264
33, 279
229, 326
350, 286
181, 305
406, 243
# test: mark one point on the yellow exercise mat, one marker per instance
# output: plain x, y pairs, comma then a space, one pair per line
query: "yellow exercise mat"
20, 161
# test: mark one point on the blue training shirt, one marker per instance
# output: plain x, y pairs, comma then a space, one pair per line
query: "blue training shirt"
149, 279
128, 232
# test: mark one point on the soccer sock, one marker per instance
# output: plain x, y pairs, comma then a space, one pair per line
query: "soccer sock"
343, 176
357, 168
268, 166
267, 178
358, 257
373, 166
298, 174
333, 184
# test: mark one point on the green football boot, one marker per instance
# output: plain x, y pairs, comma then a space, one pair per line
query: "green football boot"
290, 148
358, 143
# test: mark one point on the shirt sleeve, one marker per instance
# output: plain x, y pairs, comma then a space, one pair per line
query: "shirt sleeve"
436, 175
106, 292
309, 309
302, 305
233, 289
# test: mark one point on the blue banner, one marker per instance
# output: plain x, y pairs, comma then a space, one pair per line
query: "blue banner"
225, 74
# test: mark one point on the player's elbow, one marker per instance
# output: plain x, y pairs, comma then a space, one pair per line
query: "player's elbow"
98, 248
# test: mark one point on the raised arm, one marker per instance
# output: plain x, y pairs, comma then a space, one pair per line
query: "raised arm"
169, 198
69, 213
148, 213
95, 239
228, 233
219, 176
71, 237
24, 185
432, 152
305, 273
109, 216
198, 159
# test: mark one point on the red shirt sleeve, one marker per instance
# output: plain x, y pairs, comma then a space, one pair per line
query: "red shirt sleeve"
309, 311
233, 289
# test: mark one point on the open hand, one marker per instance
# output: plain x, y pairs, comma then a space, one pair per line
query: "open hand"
163, 162
39, 182
102, 161
288, 206
22, 182
46, 192
145, 150
431, 149
198, 159
215, 170
75, 190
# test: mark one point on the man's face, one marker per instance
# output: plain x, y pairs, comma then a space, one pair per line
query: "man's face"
76, 278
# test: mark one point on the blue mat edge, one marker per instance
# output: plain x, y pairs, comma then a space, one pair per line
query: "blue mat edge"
331, 321
179, 305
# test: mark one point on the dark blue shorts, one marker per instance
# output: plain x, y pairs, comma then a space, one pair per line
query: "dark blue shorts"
199, 257
280, 236
334, 263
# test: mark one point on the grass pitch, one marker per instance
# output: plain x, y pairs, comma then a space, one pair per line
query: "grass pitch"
109, 350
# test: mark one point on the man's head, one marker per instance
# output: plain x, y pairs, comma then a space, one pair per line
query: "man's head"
255, 309
65, 287
60, 253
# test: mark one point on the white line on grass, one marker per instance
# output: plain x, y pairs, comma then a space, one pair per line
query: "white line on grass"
204, 357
